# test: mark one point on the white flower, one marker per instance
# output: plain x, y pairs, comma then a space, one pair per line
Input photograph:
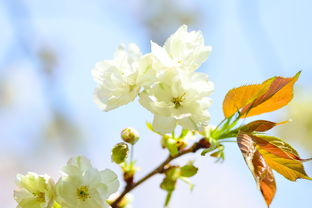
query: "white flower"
120, 80
34, 191
83, 186
183, 50
172, 90
179, 98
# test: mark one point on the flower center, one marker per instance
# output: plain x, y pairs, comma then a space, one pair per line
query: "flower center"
83, 193
177, 101
40, 196
131, 87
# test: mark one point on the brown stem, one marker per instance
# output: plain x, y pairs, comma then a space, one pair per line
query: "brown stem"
129, 187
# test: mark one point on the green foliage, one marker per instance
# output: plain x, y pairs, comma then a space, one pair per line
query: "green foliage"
188, 170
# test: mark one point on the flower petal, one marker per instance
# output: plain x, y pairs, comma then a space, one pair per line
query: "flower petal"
110, 178
164, 124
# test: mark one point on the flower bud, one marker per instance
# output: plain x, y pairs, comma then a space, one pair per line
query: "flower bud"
130, 135
120, 152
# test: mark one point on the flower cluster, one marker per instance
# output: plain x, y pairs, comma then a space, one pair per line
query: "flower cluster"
168, 86
81, 186
165, 81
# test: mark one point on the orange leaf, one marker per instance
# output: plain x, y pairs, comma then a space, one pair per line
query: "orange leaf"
278, 95
239, 97
252, 100
276, 146
258, 167
260, 126
262, 153
279, 155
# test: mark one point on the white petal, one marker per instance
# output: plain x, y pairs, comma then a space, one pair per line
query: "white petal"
151, 103
188, 123
187, 48
134, 50
32, 183
81, 162
107, 102
164, 124
147, 76
118, 78
161, 55
111, 180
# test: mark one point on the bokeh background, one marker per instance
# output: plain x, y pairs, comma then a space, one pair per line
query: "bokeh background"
47, 49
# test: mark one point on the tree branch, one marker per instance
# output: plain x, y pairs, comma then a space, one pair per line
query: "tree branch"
202, 143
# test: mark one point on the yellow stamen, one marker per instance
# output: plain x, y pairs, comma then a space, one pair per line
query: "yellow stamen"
40, 196
83, 193
131, 87
177, 101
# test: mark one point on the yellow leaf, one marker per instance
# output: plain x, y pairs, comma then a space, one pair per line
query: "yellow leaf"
290, 169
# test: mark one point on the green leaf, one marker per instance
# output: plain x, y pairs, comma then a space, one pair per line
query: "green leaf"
168, 198
219, 154
172, 146
173, 173
214, 145
150, 126
168, 184
187, 181
183, 134
188, 171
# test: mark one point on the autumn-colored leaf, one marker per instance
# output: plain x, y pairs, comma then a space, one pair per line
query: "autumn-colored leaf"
280, 156
276, 146
278, 95
264, 153
251, 100
239, 97
266, 181
258, 167
260, 126
289, 168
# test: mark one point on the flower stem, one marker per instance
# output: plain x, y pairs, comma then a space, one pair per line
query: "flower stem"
131, 153
202, 143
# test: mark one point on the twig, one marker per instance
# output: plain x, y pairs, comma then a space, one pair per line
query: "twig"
203, 143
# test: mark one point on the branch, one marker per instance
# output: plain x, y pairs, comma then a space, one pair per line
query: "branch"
202, 143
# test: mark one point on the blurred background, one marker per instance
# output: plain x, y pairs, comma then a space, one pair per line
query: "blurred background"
48, 48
